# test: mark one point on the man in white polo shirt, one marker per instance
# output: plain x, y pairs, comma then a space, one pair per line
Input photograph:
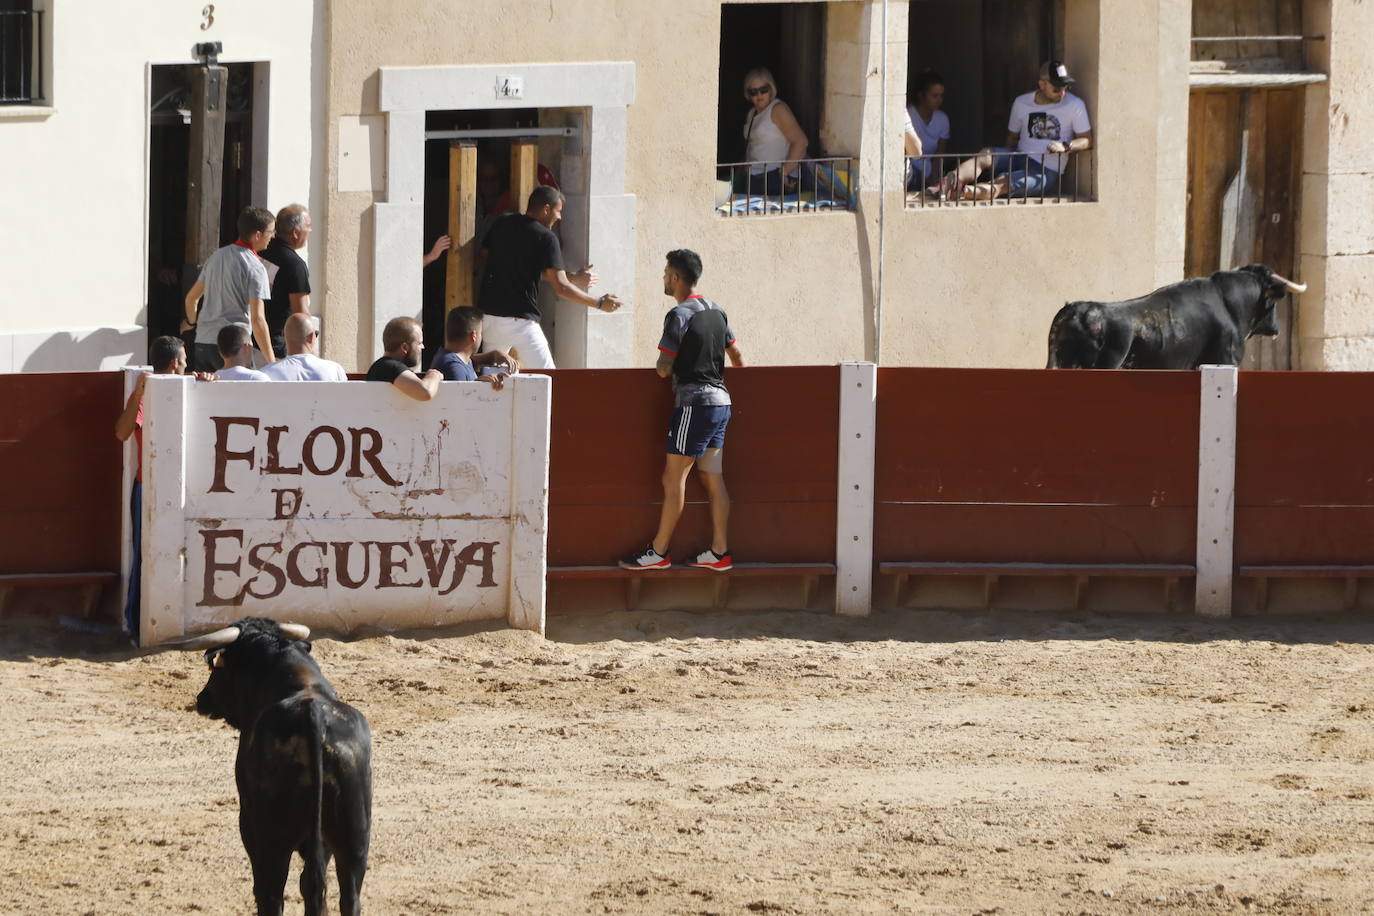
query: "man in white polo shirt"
302, 332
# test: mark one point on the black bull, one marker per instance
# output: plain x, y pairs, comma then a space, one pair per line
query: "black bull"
304, 766
1181, 326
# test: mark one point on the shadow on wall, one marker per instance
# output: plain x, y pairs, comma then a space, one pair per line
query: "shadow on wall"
78, 351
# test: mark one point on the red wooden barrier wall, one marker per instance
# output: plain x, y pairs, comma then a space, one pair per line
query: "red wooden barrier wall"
609, 430
1305, 468
972, 465
1011, 465
60, 470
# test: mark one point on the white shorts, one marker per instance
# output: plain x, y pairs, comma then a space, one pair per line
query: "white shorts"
522, 335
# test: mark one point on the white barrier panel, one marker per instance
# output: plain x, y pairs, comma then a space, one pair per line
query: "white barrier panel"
342, 505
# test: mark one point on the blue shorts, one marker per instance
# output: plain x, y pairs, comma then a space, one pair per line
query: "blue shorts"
693, 430
1026, 177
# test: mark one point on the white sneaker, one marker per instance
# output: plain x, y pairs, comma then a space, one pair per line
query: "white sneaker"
648, 558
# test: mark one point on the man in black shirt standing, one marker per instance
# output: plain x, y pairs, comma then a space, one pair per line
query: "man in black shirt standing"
291, 278
402, 344
696, 340
519, 249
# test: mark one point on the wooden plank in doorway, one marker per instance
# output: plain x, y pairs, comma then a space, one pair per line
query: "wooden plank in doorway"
205, 172
524, 169
462, 226
1213, 156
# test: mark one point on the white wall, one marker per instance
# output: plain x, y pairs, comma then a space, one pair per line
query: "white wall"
340, 505
73, 174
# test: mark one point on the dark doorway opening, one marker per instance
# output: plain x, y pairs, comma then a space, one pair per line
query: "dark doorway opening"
495, 194
788, 39
168, 153
988, 52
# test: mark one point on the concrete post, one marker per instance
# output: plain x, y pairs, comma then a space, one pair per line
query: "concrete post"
854, 501
126, 483
529, 500
163, 590
1216, 486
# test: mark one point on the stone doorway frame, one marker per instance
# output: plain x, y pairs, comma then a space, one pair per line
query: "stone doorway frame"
599, 216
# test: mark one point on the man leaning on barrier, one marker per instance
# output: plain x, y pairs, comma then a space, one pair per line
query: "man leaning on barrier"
402, 344
302, 335
1045, 125
458, 359
168, 356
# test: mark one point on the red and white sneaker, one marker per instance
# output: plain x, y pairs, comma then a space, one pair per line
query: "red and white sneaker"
648, 558
709, 559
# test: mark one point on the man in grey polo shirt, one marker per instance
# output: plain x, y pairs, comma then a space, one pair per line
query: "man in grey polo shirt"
234, 284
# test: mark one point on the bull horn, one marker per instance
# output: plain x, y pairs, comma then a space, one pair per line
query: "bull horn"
1293, 287
209, 641
295, 630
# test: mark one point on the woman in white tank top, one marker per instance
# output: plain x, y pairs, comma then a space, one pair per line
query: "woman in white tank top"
775, 142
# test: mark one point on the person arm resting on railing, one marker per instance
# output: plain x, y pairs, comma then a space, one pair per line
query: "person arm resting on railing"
1079, 143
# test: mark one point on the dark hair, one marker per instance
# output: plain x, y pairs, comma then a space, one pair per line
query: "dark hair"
924, 80
231, 339
461, 322
254, 219
687, 263
163, 351
543, 196
398, 331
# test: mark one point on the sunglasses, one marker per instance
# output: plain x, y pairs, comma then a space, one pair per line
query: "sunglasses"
758, 90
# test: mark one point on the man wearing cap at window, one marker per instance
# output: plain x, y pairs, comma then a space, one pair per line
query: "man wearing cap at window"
1045, 125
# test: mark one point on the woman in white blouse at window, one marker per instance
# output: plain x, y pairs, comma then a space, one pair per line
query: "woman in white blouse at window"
775, 144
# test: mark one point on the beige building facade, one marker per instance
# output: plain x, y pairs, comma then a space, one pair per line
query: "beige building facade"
636, 106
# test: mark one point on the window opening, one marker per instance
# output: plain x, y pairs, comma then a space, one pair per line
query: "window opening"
986, 54
1255, 36
773, 162
21, 53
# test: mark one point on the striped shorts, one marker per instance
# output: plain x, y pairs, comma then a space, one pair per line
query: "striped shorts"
693, 430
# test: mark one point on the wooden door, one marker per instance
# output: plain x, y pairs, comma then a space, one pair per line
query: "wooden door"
1017, 37
1243, 170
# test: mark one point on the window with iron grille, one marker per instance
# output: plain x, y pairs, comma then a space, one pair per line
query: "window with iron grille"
21, 52
968, 61
773, 56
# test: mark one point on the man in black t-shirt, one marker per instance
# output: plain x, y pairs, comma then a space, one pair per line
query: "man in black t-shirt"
519, 250
291, 279
696, 340
402, 343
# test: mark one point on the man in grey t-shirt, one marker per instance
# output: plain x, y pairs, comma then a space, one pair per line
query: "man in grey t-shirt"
234, 284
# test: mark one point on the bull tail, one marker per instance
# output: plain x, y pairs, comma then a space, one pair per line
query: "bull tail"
315, 862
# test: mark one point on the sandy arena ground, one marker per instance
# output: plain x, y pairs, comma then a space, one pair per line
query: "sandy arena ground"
736, 764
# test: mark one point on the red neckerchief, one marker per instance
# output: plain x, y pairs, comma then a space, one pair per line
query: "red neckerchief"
242, 244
